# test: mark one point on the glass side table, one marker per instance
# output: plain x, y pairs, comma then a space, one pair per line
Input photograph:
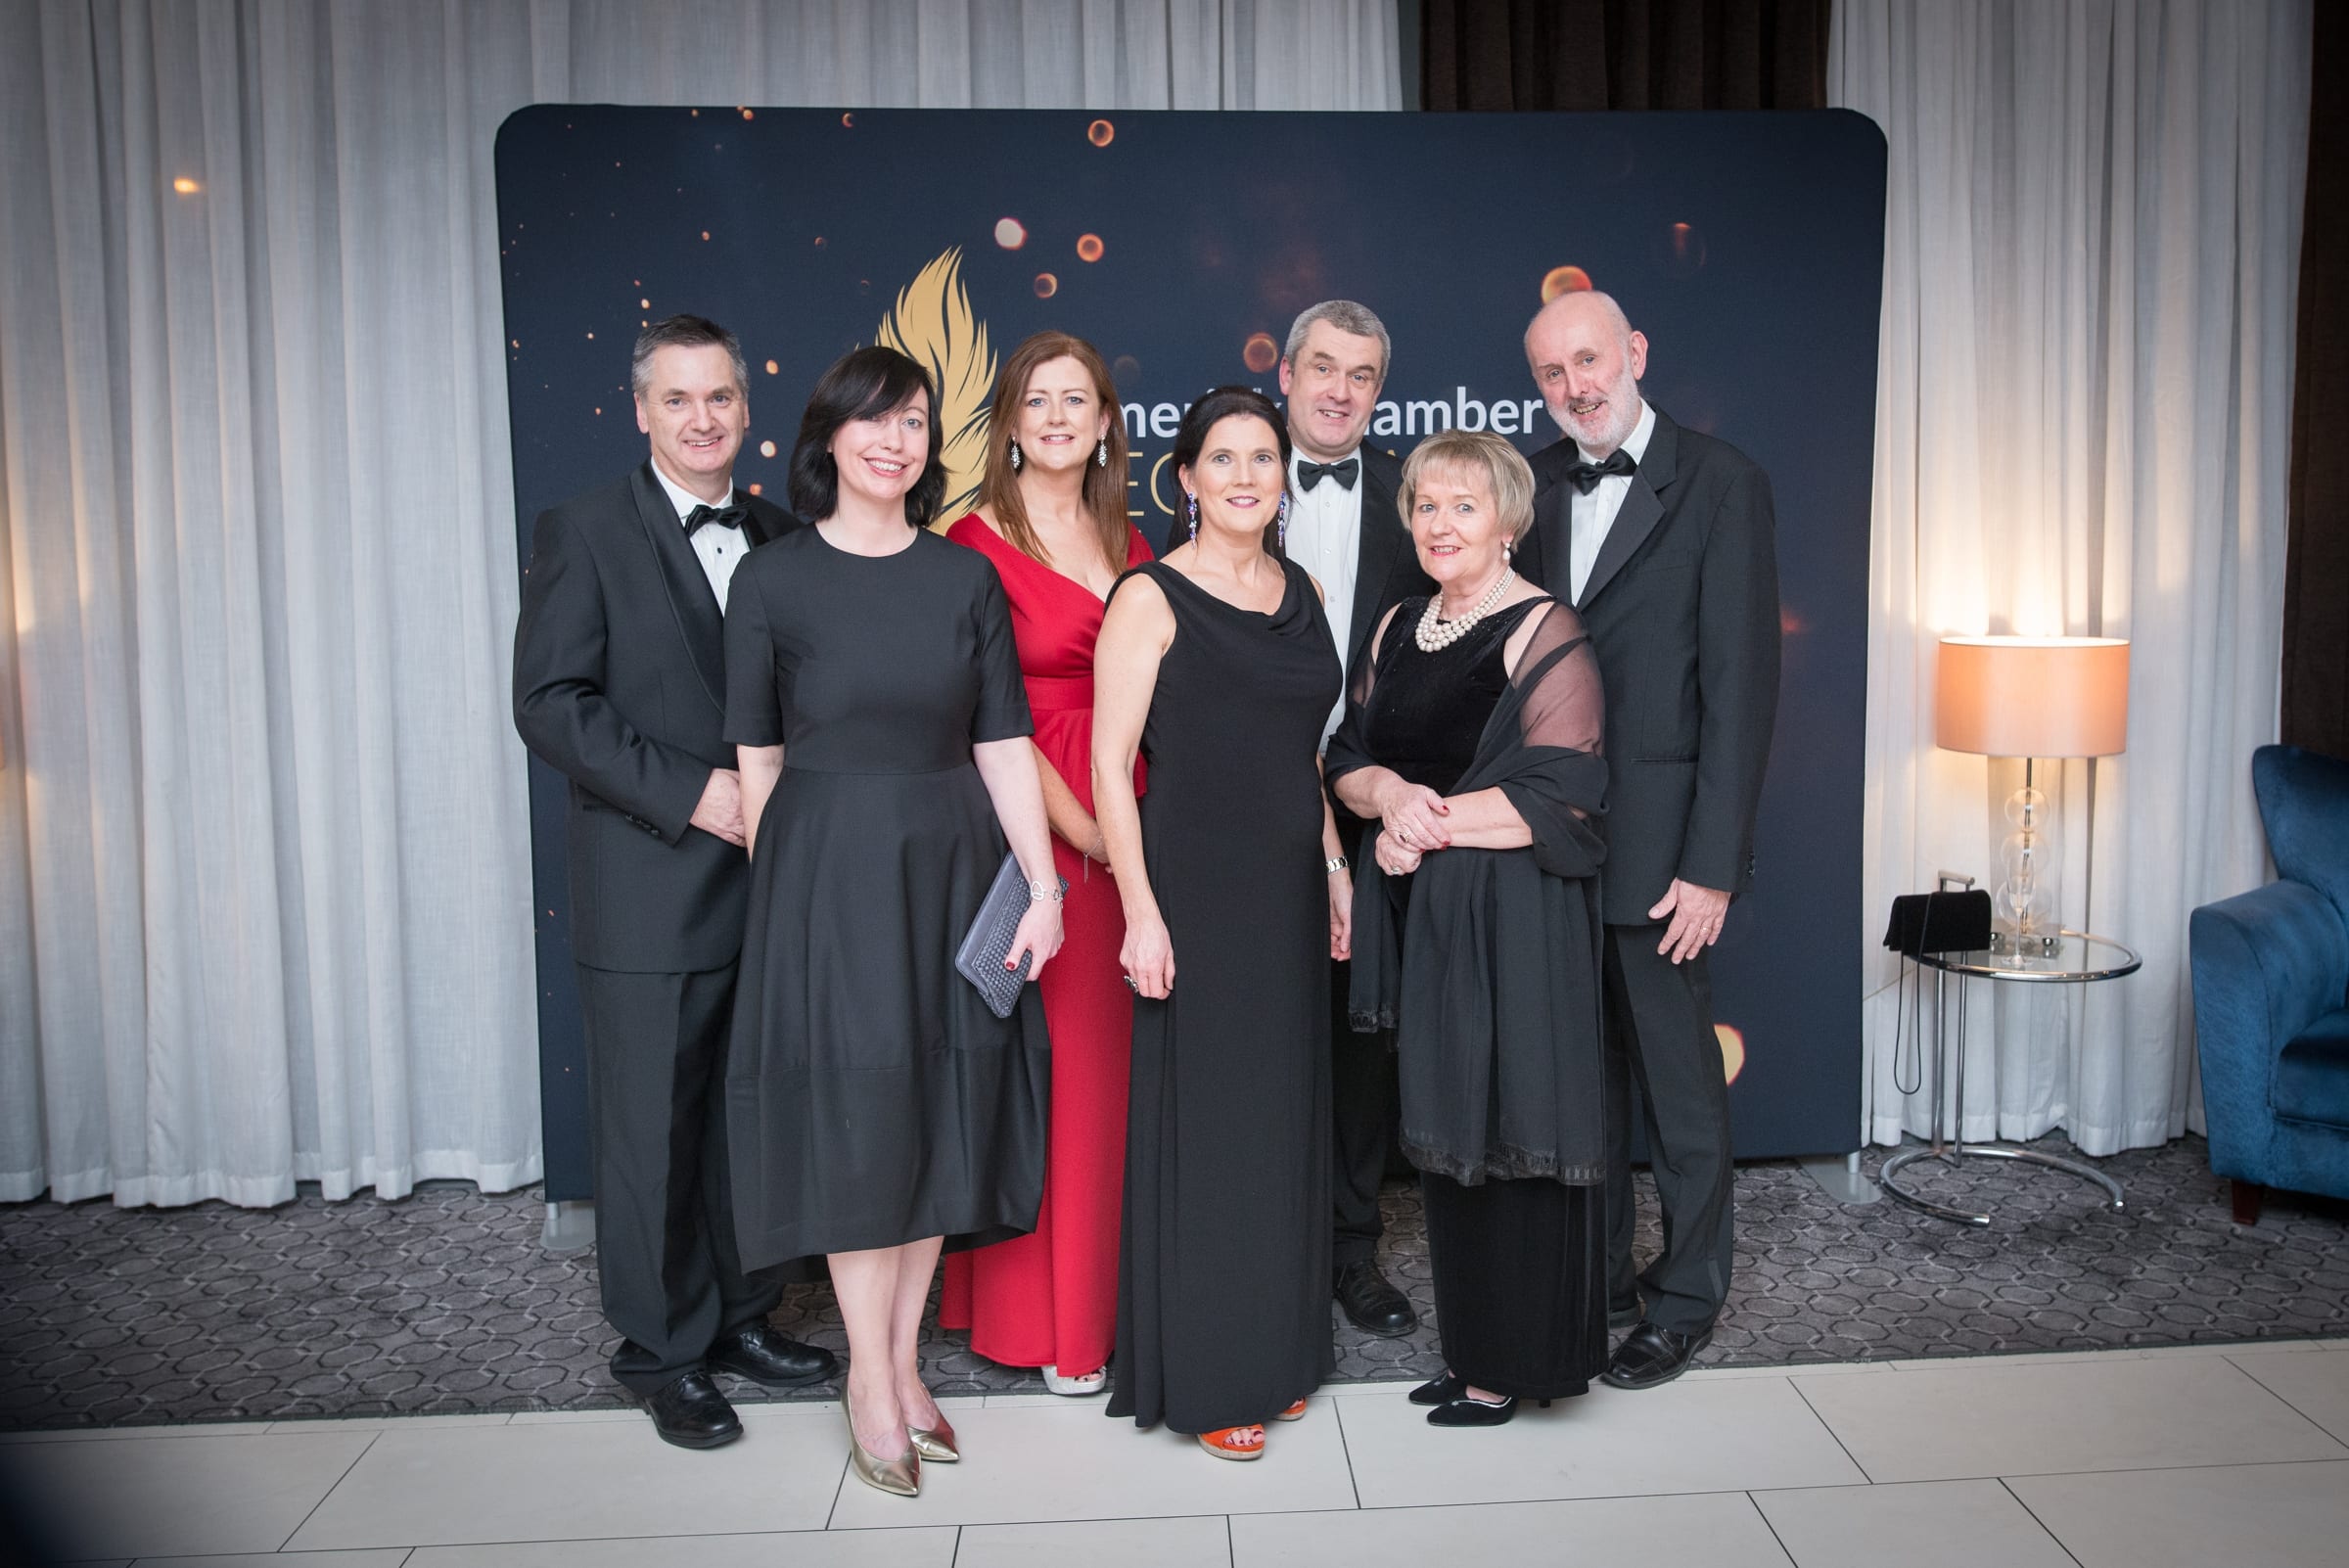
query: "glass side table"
2076, 958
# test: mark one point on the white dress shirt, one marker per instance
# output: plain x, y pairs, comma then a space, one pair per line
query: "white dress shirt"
1594, 514
1326, 537
719, 550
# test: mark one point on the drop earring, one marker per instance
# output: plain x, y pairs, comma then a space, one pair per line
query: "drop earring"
1015, 457
1281, 524
1191, 507
1101, 453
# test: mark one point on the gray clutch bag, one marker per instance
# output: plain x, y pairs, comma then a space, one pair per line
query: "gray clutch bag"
988, 940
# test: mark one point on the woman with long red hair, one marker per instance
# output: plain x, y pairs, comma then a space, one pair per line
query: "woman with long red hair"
1052, 517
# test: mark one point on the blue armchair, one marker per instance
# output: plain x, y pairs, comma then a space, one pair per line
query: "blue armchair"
2271, 993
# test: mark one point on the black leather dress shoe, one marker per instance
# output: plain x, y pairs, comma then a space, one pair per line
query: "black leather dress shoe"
1465, 1411
764, 1355
1624, 1314
1439, 1390
1650, 1356
1372, 1304
692, 1413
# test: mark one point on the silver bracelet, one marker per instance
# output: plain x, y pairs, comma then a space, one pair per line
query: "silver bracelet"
1040, 892
1334, 864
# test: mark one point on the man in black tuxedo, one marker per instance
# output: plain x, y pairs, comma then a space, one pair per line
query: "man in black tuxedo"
1344, 528
620, 682
1662, 537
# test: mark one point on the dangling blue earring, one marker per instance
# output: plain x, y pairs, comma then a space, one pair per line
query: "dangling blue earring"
1191, 507
1283, 522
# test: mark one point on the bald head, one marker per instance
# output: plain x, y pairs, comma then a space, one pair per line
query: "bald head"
1586, 363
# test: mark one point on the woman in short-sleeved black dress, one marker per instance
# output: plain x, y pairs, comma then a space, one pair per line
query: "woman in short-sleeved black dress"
876, 1107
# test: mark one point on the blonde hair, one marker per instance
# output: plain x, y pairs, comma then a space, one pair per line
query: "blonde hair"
1506, 473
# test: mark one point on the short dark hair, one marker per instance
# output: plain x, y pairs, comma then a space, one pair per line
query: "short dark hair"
862, 384
1221, 403
685, 332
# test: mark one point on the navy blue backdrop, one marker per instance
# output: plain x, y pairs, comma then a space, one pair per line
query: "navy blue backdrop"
1748, 248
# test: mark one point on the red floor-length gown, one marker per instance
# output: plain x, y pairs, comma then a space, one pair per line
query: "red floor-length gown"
1051, 1298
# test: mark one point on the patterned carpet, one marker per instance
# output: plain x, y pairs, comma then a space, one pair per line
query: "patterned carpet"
445, 1302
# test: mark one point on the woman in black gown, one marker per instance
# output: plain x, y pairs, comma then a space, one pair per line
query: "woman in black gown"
1472, 739
876, 1108
1215, 663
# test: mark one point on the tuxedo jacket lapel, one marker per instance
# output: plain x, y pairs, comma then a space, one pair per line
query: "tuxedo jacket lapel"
1641, 510
687, 586
1382, 540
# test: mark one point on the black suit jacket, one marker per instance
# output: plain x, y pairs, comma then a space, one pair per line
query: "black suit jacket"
1682, 611
620, 681
1386, 572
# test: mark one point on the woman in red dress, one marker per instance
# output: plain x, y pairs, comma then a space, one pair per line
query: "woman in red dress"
1052, 519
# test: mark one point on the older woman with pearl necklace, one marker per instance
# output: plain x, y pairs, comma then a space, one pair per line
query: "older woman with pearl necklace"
1472, 740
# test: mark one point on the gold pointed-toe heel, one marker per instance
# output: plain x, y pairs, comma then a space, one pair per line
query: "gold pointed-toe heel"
935, 1442
901, 1477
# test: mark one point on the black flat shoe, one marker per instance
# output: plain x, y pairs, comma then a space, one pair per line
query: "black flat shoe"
692, 1413
1440, 1391
1650, 1357
1372, 1305
1465, 1411
764, 1355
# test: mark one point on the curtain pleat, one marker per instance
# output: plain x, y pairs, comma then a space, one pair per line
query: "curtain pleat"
264, 845
2084, 399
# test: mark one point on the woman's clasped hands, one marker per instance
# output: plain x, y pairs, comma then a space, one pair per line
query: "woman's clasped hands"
1410, 825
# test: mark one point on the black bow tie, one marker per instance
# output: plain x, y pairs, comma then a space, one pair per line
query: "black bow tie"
1344, 471
724, 517
1585, 477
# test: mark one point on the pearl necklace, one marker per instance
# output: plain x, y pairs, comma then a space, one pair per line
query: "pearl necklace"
1434, 632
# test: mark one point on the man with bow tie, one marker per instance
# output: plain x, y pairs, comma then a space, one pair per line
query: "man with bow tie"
620, 682
1345, 529
1661, 537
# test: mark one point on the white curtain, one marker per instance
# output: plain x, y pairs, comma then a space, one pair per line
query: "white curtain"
2082, 424
264, 875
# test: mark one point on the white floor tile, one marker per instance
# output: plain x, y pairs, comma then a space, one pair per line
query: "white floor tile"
623, 1412
392, 1423
1027, 1466
2119, 1414
1798, 1370
109, 1433
2315, 1383
2271, 1347
1724, 1435
186, 1495
2273, 1515
1718, 1530
1197, 1542
1938, 1524
583, 1480
379, 1557
1936, 1364
866, 1548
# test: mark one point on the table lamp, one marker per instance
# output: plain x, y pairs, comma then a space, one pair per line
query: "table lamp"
2031, 697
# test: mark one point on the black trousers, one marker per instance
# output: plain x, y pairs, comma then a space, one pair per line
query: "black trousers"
1659, 1036
1363, 1105
672, 1273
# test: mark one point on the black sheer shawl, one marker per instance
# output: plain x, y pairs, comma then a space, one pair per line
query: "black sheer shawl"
1491, 984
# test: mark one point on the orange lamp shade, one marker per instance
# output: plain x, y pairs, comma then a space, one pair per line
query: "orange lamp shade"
2032, 696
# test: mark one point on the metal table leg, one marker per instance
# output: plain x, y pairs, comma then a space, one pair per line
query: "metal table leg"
1958, 1148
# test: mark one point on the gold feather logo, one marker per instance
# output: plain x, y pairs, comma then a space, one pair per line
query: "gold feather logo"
932, 324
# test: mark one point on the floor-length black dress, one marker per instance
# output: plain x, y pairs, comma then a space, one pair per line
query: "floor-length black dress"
871, 1096
1224, 1278
1519, 1265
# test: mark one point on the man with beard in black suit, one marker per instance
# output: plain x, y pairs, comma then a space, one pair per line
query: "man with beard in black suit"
620, 682
1343, 528
1662, 538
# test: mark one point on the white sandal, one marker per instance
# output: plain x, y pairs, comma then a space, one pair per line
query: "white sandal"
1078, 1387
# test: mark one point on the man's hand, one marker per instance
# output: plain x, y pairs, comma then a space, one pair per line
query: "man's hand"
1696, 916
720, 813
